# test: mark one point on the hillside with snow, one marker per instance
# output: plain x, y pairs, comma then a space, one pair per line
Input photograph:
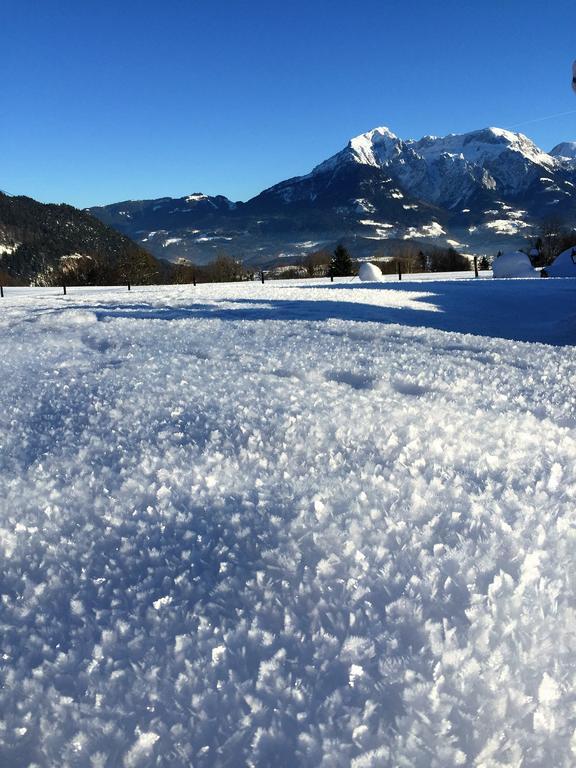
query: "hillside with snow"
291, 524
481, 192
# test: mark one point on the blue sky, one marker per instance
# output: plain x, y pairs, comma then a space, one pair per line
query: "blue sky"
110, 100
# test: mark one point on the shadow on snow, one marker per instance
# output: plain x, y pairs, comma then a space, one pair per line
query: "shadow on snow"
519, 310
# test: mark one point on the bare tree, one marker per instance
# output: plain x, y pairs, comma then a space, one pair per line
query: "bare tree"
554, 236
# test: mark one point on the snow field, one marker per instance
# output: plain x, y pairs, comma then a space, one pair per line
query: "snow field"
229, 539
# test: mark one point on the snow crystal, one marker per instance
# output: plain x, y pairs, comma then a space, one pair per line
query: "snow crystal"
141, 749
549, 691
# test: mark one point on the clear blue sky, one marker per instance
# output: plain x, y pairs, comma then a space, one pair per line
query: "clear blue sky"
116, 99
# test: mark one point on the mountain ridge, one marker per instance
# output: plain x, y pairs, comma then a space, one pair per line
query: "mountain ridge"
480, 191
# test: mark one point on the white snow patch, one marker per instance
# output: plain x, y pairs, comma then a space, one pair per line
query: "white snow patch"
363, 206
427, 230
307, 244
372, 223
505, 226
209, 238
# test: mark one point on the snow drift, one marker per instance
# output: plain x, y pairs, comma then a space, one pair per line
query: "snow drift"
564, 265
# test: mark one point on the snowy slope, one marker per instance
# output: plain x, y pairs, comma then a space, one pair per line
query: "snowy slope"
312, 525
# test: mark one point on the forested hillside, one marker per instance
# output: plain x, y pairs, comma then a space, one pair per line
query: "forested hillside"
48, 244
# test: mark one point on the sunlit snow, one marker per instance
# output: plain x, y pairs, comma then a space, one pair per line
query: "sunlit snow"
291, 524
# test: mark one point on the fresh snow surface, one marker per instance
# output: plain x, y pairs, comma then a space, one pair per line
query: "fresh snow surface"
291, 524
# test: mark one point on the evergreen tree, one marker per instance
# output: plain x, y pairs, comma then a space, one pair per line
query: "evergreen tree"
341, 262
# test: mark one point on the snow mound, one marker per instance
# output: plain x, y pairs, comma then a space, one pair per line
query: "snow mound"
564, 265
516, 264
369, 273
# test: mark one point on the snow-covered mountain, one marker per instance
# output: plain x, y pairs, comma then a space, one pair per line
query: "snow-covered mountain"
447, 170
479, 191
565, 149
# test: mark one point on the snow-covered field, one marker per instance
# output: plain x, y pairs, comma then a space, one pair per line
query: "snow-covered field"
291, 524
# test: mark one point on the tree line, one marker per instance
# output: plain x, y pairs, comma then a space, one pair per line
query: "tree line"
410, 258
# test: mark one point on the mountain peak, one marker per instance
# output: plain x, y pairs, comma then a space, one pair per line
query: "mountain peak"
374, 147
565, 149
376, 135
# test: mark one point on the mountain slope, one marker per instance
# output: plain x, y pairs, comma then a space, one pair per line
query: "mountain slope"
567, 149
481, 191
47, 243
